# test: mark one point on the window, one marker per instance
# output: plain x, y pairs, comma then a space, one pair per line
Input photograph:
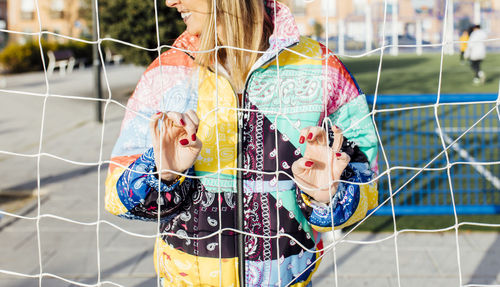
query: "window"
27, 9
328, 8
57, 9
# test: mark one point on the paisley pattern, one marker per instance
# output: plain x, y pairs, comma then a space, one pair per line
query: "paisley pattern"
200, 218
294, 92
198, 213
262, 154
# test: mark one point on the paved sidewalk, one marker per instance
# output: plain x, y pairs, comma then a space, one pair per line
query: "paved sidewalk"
82, 252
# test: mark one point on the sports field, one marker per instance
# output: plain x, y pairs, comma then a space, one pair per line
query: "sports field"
411, 139
411, 74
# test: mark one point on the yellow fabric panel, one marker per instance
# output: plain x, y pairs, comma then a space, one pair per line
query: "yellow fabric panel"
368, 199
372, 193
226, 124
112, 202
322, 229
306, 47
182, 269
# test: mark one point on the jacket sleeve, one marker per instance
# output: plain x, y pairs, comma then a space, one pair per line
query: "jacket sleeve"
136, 193
353, 199
132, 189
347, 108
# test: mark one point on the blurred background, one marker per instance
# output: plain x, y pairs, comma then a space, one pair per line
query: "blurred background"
349, 26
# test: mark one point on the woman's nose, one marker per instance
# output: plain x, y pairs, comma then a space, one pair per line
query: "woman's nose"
171, 3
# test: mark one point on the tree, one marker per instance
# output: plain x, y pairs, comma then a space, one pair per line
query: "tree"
134, 22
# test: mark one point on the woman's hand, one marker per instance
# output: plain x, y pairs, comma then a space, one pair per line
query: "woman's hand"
311, 171
178, 142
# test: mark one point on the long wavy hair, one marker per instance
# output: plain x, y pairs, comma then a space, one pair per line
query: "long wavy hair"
242, 24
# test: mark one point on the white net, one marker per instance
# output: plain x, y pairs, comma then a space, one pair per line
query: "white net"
67, 238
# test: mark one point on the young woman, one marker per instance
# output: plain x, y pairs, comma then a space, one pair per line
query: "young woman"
207, 119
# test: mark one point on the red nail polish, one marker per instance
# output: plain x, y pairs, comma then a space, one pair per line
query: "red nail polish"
182, 122
158, 113
309, 163
309, 136
338, 154
302, 139
183, 141
337, 127
193, 137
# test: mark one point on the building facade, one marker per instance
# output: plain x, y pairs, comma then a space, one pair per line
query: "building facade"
64, 17
316, 17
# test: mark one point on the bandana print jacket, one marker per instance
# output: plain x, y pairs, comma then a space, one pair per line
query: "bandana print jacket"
282, 96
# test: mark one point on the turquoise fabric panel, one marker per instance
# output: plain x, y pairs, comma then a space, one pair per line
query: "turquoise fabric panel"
291, 103
358, 127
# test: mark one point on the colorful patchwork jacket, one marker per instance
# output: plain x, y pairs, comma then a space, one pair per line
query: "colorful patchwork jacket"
298, 89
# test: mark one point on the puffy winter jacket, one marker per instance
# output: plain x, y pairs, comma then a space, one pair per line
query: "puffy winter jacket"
476, 49
304, 90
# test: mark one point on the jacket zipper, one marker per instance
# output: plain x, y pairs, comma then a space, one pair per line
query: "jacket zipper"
240, 212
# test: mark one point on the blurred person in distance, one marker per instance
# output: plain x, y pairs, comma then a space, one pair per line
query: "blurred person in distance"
464, 37
183, 119
476, 52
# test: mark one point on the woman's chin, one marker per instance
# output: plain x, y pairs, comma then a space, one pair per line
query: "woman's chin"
192, 31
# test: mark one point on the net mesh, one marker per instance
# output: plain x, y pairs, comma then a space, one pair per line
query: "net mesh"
446, 142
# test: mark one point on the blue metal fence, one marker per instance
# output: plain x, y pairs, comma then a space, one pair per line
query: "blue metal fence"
411, 139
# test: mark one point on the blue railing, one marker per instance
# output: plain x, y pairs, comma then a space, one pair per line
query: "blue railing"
411, 139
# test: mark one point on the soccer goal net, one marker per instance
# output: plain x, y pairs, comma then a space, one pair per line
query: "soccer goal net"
438, 153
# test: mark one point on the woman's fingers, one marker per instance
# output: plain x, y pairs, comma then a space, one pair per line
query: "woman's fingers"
194, 118
197, 144
343, 157
302, 165
179, 129
338, 139
153, 126
185, 122
339, 163
301, 170
176, 118
311, 134
191, 127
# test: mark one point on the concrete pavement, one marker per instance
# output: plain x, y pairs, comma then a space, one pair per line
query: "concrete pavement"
90, 252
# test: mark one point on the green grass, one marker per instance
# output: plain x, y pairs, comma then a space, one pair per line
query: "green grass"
414, 131
411, 74
385, 223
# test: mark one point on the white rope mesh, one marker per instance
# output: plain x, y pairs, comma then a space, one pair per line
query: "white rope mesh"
446, 144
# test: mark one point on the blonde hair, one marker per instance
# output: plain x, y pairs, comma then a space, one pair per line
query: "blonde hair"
245, 24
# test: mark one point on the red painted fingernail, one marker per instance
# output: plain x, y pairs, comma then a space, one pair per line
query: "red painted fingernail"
182, 122
338, 154
158, 113
337, 127
302, 139
309, 136
309, 163
193, 137
183, 141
